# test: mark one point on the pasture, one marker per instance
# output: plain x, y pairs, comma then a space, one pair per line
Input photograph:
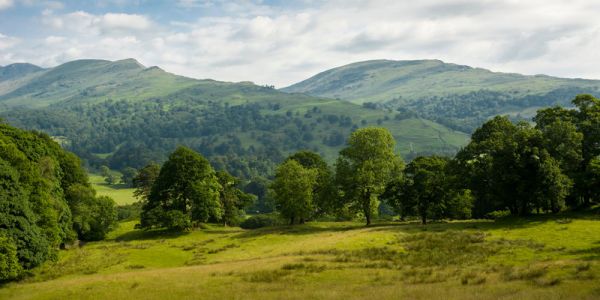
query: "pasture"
550, 257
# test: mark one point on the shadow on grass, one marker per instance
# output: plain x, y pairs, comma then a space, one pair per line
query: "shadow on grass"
302, 229
154, 234
588, 254
116, 186
507, 223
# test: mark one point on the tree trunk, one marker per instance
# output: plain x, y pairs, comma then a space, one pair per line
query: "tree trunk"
367, 207
301, 220
424, 219
292, 221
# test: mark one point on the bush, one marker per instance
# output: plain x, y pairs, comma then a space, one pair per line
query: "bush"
498, 214
9, 263
259, 221
129, 212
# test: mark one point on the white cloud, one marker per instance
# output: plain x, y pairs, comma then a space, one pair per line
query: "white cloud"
7, 42
249, 40
125, 21
4, 4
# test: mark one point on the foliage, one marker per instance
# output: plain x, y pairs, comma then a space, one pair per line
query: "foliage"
324, 197
128, 174
9, 262
185, 190
232, 199
144, 180
365, 167
259, 221
507, 167
35, 216
293, 188
93, 216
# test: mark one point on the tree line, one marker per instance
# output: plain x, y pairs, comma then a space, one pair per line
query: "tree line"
46, 202
516, 168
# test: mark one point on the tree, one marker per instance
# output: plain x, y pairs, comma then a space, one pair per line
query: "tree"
127, 176
233, 200
259, 186
426, 184
293, 190
365, 167
572, 137
93, 217
323, 190
104, 171
36, 218
144, 180
185, 190
507, 166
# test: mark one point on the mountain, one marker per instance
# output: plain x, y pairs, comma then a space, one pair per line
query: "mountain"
456, 95
91, 80
18, 70
123, 114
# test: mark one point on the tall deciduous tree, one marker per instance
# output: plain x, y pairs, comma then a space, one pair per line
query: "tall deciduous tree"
144, 180
425, 177
365, 167
233, 200
507, 167
323, 190
186, 190
127, 175
293, 190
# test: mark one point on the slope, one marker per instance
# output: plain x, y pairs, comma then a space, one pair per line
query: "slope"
122, 114
456, 95
91, 80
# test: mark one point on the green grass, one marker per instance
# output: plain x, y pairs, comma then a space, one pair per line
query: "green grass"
119, 192
550, 257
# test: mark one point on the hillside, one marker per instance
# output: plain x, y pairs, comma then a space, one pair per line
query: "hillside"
543, 257
89, 81
456, 95
123, 114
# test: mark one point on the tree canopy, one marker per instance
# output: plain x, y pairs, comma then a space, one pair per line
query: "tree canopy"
365, 167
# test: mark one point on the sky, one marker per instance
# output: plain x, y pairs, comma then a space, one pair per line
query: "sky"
282, 42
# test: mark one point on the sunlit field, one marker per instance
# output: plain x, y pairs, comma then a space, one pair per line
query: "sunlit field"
549, 257
118, 192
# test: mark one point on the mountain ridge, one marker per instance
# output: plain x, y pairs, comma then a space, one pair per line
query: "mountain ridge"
123, 114
458, 96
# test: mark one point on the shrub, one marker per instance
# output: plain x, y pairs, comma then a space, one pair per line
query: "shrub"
498, 214
9, 263
259, 221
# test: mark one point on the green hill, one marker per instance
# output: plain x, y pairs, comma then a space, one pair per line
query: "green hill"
91, 80
123, 114
456, 95
17, 70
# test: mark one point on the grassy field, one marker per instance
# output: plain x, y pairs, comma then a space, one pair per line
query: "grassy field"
118, 192
539, 258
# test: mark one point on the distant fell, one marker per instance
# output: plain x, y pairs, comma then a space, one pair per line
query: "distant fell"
18, 70
456, 95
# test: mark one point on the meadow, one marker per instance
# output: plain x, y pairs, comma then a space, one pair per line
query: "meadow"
122, 194
549, 257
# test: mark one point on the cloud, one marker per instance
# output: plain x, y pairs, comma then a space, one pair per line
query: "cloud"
4, 4
125, 21
83, 22
285, 42
7, 42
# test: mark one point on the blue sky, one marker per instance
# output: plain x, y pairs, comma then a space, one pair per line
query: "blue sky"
282, 42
